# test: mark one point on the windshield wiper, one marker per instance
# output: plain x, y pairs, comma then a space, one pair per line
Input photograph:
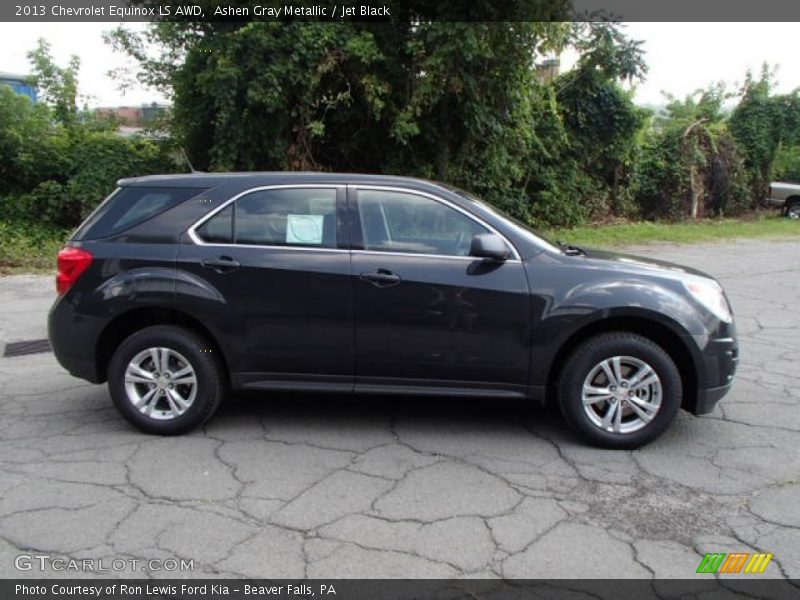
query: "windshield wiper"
571, 250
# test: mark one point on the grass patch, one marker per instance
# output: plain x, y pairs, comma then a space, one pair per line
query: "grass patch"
29, 248
689, 232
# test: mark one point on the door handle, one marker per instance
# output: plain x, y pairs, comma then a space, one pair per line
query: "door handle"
222, 264
381, 278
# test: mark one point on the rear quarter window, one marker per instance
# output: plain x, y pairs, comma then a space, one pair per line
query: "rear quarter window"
130, 206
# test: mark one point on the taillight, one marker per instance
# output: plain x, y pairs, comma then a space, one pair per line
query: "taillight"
72, 262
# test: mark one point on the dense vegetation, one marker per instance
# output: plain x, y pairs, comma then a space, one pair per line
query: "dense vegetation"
57, 161
458, 102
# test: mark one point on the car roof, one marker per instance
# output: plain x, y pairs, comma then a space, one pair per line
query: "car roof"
199, 179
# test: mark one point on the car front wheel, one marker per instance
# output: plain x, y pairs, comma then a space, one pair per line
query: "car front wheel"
165, 380
793, 210
620, 390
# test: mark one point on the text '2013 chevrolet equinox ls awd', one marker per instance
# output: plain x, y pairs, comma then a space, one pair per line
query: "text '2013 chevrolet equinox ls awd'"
180, 287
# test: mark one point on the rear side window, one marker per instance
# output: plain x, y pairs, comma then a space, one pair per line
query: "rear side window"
130, 206
276, 217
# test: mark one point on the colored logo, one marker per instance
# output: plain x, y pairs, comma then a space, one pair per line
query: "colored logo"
735, 562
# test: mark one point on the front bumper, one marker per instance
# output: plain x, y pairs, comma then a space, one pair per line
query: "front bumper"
707, 399
718, 361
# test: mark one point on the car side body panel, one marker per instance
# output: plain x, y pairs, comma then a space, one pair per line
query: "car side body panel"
288, 318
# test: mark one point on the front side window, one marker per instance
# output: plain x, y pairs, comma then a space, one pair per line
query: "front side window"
276, 217
405, 222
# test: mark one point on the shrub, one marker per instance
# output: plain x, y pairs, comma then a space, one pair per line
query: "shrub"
786, 166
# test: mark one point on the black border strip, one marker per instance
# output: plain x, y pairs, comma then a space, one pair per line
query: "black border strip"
400, 10
737, 587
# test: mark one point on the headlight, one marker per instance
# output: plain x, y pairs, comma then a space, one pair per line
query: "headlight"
709, 293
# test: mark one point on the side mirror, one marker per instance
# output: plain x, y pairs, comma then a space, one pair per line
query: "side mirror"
490, 246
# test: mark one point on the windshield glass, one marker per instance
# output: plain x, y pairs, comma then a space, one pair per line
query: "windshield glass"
522, 229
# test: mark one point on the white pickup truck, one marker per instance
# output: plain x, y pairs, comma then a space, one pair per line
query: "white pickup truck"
786, 196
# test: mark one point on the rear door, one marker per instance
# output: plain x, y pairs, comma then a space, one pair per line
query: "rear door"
428, 314
270, 271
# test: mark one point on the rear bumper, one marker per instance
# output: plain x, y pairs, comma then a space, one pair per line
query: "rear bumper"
73, 338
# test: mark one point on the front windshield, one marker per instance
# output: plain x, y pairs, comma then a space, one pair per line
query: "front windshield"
520, 228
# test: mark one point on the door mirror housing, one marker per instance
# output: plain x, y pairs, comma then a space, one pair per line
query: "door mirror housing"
490, 246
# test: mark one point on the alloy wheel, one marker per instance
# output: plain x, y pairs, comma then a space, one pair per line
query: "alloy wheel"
160, 383
621, 394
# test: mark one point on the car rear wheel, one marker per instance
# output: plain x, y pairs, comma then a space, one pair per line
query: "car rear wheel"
620, 390
793, 210
165, 380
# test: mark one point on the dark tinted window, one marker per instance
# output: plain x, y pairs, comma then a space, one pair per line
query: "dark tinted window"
278, 217
130, 206
404, 222
219, 228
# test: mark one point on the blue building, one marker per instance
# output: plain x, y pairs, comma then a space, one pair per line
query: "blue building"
20, 84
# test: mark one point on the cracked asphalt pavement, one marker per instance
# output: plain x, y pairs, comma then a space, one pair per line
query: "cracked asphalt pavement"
290, 486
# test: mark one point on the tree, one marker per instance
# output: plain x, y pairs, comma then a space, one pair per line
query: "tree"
31, 149
446, 100
755, 123
690, 164
455, 101
58, 86
57, 164
589, 130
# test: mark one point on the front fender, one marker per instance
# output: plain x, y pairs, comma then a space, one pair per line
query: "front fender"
661, 301
595, 298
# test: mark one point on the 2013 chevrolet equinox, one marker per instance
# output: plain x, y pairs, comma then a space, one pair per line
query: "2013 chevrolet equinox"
179, 287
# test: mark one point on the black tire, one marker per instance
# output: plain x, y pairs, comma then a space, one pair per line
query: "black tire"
792, 210
207, 369
581, 364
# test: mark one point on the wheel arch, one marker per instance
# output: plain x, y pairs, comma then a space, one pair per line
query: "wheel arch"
791, 201
136, 319
655, 330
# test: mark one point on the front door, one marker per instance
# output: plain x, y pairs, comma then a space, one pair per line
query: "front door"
428, 314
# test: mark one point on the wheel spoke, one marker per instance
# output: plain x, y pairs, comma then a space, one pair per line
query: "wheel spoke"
593, 395
164, 362
175, 397
173, 405
154, 357
190, 380
136, 374
643, 404
616, 364
144, 402
643, 372
610, 375
181, 372
152, 404
613, 409
643, 415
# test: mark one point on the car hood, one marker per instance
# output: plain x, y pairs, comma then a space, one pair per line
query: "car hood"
633, 264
